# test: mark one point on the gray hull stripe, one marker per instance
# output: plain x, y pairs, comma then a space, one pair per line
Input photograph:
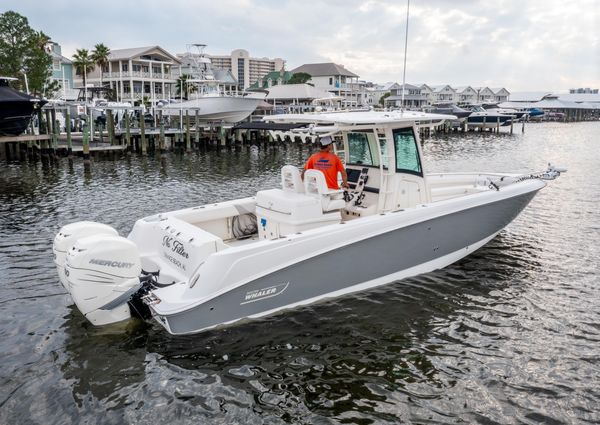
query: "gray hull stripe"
356, 263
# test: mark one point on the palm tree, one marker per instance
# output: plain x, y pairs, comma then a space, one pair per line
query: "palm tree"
83, 63
100, 56
184, 88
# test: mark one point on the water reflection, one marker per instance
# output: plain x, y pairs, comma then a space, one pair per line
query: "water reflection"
509, 334
102, 360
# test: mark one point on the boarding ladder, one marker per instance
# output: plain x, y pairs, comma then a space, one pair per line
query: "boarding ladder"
385, 174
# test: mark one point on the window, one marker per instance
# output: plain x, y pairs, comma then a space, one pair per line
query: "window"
125, 67
363, 149
331, 81
359, 151
407, 153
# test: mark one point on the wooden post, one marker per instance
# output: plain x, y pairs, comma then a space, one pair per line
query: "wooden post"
69, 138
484, 122
86, 146
511, 126
128, 133
110, 126
222, 137
523, 127
143, 134
161, 141
91, 126
188, 139
497, 124
197, 133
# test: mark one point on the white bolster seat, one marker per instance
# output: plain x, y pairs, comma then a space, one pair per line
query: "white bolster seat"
291, 181
315, 185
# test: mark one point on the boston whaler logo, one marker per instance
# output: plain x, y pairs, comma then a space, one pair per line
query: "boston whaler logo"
111, 263
261, 294
175, 246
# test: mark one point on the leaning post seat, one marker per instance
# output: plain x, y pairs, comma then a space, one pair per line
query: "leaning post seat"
315, 185
289, 210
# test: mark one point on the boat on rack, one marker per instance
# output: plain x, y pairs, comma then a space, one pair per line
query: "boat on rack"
301, 243
481, 118
207, 101
494, 107
16, 108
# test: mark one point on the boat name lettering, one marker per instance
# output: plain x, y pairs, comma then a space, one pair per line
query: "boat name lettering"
111, 263
175, 246
174, 261
261, 294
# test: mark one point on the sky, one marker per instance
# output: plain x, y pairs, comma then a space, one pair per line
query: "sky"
523, 45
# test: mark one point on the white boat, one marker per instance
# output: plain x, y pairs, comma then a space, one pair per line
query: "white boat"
482, 118
214, 107
215, 264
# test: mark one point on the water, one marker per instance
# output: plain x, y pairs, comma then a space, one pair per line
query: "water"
507, 335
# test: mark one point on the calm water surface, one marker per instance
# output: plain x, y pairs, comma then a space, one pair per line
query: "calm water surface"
510, 334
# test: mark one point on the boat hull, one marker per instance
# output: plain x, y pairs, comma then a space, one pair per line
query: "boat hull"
225, 109
406, 251
488, 121
15, 117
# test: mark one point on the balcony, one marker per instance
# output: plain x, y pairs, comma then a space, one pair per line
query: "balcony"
139, 75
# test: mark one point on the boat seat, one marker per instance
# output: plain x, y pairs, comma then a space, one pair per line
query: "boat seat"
291, 180
315, 185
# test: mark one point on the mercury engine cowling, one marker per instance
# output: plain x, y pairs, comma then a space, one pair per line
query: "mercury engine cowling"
68, 235
103, 272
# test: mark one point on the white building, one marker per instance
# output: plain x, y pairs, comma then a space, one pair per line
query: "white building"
500, 94
247, 70
411, 95
466, 94
375, 93
136, 73
443, 94
337, 80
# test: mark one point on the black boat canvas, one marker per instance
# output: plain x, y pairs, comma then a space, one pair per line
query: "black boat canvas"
16, 109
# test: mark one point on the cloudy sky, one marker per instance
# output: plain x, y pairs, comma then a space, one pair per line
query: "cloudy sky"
523, 45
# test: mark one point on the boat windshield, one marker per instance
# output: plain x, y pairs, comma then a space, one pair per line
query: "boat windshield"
407, 153
363, 149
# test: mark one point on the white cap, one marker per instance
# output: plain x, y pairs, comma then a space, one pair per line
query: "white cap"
325, 140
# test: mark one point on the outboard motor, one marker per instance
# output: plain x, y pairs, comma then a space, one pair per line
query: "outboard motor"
103, 272
68, 235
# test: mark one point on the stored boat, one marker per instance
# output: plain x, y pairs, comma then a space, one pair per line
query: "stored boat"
481, 118
16, 109
207, 101
301, 243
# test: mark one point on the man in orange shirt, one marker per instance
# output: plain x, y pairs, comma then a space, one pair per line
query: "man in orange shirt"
328, 163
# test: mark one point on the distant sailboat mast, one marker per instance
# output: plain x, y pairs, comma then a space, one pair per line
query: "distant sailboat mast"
405, 49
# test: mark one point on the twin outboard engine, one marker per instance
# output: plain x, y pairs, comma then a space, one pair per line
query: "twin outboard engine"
100, 269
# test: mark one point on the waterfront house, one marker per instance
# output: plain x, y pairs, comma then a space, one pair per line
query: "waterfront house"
500, 94
137, 73
466, 95
485, 95
443, 94
374, 93
338, 80
61, 70
413, 97
273, 78
427, 91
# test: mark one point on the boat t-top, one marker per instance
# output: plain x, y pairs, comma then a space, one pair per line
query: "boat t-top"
299, 243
